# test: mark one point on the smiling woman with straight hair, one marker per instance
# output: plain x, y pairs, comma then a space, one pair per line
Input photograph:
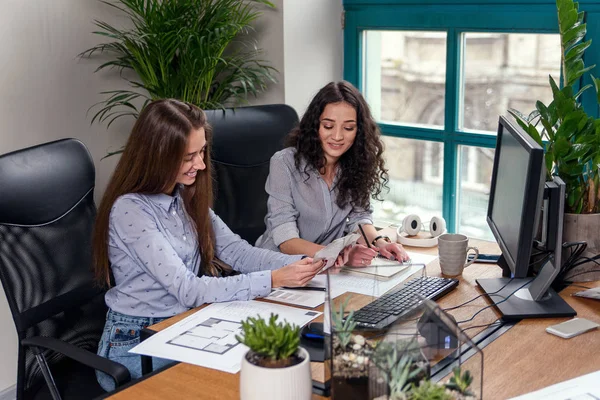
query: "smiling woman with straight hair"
164, 247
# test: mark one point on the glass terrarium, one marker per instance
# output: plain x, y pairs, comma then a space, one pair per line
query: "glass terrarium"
419, 355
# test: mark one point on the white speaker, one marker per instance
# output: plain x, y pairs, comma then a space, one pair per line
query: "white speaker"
412, 225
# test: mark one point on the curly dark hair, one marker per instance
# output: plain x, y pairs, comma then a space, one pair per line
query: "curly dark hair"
363, 172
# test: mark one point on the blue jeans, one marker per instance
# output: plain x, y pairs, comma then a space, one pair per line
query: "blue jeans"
121, 334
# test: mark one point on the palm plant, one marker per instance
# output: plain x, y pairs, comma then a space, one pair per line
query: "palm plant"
192, 50
572, 136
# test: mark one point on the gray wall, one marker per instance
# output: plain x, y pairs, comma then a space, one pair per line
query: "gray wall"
46, 90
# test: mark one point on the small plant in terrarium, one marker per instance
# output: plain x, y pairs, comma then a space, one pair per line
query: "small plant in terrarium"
402, 366
350, 357
427, 390
272, 344
460, 383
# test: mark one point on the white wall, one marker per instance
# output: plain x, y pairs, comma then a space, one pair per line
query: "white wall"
46, 90
313, 48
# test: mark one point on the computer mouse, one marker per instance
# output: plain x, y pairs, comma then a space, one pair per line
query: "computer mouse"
313, 331
438, 331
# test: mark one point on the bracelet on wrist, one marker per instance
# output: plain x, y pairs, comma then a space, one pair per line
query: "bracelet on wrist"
386, 238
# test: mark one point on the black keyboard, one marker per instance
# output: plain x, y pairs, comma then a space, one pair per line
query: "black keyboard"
394, 305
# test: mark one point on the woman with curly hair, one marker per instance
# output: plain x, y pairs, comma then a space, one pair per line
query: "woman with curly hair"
320, 186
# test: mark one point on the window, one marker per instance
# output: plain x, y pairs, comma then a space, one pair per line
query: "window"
437, 77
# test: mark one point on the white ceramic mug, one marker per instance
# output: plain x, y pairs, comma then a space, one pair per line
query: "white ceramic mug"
453, 249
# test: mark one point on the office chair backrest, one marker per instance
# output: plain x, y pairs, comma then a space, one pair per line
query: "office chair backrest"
46, 216
244, 139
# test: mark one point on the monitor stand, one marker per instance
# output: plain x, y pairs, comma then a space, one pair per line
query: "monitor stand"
520, 304
533, 297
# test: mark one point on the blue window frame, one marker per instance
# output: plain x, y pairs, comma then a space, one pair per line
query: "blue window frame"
455, 19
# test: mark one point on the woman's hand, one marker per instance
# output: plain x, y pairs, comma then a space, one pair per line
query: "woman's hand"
342, 259
394, 251
296, 274
359, 256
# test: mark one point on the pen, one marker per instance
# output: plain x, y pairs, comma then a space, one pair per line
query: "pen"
320, 289
364, 236
368, 244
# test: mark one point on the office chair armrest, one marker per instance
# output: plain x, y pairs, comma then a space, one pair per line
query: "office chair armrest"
117, 371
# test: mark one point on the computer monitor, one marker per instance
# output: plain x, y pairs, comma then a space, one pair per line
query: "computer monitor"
520, 198
516, 195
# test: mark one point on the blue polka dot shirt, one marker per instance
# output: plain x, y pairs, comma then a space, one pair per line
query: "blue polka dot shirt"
155, 258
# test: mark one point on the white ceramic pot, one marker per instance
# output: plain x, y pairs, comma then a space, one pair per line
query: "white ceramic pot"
290, 383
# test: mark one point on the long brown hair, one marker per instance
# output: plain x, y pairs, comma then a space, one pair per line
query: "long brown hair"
150, 164
363, 172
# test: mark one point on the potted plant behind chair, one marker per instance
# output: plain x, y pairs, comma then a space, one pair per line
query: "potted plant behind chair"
275, 366
572, 141
192, 50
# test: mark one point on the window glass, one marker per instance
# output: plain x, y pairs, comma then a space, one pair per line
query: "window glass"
475, 174
503, 71
405, 75
416, 170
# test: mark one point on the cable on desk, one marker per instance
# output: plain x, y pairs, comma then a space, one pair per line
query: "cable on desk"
547, 255
495, 304
575, 251
585, 272
497, 322
476, 297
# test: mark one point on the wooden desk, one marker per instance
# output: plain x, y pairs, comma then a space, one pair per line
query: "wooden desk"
512, 363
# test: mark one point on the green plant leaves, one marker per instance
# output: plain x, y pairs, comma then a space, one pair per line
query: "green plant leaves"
193, 50
573, 147
274, 340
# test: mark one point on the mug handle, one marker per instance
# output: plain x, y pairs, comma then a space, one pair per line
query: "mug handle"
476, 250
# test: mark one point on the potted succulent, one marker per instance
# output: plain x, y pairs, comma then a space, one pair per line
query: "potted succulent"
275, 366
571, 136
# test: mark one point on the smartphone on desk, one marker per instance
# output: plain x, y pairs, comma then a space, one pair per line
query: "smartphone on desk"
572, 327
485, 258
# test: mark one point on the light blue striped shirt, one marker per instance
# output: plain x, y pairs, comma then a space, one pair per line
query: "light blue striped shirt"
302, 206
155, 259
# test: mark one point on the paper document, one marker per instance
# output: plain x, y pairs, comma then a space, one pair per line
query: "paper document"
207, 337
419, 258
362, 283
333, 249
304, 298
585, 387
593, 293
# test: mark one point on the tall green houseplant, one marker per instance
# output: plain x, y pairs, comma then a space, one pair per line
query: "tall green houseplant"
571, 136
197, 51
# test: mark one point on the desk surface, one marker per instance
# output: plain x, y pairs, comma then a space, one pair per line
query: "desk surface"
516, 363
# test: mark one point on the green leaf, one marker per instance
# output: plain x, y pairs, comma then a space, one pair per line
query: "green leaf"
562, 147
573, 35
577, 51
194, 50
533, 132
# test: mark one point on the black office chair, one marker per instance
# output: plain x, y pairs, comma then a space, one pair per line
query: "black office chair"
46, 216
244, 139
